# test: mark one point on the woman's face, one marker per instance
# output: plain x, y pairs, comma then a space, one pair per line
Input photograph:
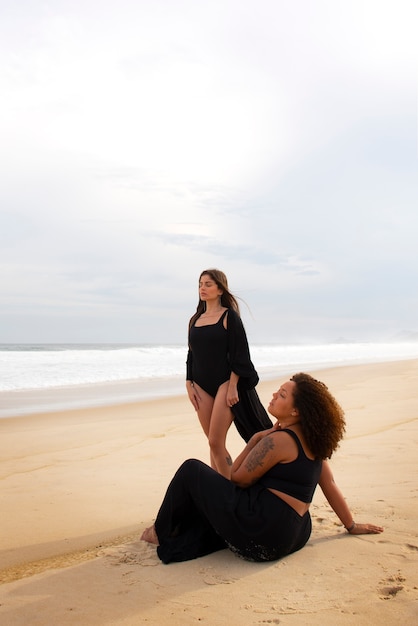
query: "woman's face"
208, 289
282, 404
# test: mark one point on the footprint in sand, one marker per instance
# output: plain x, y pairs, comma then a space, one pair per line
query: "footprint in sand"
137, 554
213, 578
411, 546
391, 586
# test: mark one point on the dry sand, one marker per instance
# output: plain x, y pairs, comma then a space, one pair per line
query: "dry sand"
78, 488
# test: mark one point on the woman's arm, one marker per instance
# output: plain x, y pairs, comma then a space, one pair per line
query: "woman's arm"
250, 445
191, 390
339, 505
232, 396
260, 454
193, 394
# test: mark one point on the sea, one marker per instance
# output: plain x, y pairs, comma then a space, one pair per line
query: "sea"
48, 377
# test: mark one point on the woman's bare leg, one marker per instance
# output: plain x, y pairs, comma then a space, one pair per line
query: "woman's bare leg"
204, 414
220, 422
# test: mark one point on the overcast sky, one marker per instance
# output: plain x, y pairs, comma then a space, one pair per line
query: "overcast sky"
143, 141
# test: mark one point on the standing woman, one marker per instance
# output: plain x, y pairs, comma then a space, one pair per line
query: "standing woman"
221, 378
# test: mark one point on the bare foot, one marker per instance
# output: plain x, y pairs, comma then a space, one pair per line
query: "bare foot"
150, 536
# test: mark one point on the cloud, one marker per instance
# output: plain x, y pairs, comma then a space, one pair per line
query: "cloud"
143, 143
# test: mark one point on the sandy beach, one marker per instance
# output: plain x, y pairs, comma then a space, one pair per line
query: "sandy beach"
78, 488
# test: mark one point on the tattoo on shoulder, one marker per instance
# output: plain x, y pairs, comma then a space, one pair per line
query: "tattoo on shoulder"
258, 455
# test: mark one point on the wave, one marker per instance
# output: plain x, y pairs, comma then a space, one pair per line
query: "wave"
43, 366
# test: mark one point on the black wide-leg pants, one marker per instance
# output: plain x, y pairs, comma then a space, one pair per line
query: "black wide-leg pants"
203, 512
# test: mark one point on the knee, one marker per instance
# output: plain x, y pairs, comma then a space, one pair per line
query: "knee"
215, 443
189, 466
190, 462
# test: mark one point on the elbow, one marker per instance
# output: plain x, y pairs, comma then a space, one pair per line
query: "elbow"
243, 484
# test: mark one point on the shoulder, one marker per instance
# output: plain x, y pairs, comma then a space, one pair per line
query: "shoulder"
193, 319
195, 315
287, 441
233, 317
278, 439
277, 447
299, 441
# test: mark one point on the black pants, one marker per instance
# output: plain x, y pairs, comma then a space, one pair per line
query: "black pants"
203, 512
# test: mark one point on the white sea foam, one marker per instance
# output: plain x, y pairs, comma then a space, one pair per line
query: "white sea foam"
34, 378
46, 367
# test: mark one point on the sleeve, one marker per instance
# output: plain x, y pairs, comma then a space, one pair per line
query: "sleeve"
189, 363
249, 414
239, 352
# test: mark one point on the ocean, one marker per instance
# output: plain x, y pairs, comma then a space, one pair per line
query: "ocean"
42, 377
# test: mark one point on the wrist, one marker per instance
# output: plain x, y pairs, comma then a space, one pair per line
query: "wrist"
350, 528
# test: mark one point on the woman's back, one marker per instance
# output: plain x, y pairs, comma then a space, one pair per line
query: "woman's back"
297, 478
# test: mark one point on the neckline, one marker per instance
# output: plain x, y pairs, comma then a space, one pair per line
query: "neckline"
214, 323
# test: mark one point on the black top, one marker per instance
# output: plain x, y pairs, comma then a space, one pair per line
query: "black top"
297, 478
208, 356
215, 351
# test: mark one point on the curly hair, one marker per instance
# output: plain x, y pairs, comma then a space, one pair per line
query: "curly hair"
322, 418
228, 300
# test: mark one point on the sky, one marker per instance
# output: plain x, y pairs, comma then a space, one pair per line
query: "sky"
143, 141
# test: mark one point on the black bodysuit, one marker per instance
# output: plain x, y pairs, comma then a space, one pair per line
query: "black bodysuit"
215, 352
210, 363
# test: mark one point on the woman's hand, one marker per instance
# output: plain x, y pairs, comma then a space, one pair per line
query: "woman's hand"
365, 529
258, 436
193, 394
232, 394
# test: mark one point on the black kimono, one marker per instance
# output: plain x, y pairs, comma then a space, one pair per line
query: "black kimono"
215, 352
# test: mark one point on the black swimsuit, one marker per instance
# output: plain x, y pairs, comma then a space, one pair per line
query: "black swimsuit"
214, 352
209, 345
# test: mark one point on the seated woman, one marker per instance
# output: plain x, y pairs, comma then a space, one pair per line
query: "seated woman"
262, 513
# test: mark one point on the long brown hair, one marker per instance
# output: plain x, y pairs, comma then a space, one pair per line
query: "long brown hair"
322, 418
228, 300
